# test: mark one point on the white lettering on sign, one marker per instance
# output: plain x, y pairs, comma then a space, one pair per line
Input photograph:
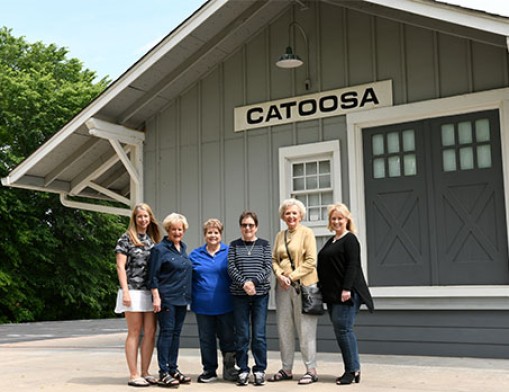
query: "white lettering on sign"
313, 106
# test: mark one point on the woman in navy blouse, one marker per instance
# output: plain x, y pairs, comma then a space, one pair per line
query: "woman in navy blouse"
170, 281
212, 303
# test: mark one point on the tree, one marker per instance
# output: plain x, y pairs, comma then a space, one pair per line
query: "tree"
56, 263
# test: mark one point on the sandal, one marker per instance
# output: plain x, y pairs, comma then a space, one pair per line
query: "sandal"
167, 381
308, 378
150, 379
281, 376
138, 382
181, 378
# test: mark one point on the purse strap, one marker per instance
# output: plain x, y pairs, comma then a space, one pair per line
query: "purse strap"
295, 285
287, 251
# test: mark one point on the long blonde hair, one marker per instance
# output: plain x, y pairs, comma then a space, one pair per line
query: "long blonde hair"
152, 229
343, 210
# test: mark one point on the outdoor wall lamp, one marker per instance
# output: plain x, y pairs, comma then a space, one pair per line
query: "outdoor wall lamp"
289, 60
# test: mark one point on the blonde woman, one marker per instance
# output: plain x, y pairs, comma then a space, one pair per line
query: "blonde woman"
134, 298
343, 287
170, 281
297, 241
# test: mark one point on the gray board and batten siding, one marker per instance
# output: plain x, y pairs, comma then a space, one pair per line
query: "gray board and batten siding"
196, 164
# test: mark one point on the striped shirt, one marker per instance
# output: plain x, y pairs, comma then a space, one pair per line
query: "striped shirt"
248, 260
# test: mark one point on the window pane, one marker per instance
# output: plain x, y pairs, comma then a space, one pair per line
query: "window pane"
298, 184
465, 132
466, 158
324, 216
324, 167
410, 165
324, 181
298, 170
448, 135
326, 198
449, 157
378, 144
313, 200
484, 157
378, 168
409, 140
311, 183
394, 167
482, 130
314, 214
311, 168
393, 142
302, 198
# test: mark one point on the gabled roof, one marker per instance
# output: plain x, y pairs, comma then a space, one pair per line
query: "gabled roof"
98, 154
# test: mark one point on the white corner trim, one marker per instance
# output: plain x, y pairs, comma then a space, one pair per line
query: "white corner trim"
93, 207
443, 297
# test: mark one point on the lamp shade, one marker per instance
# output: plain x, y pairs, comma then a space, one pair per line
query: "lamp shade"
289, 59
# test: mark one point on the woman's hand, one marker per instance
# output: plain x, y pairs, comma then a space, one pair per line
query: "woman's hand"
346, 295
157, 305
284, 282
126, 298
249, 288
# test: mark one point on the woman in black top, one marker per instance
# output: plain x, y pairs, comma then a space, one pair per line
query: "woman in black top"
343, 286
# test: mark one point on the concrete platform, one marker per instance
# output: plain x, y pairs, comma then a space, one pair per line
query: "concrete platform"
42, 361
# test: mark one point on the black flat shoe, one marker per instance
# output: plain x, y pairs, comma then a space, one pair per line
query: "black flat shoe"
348, 378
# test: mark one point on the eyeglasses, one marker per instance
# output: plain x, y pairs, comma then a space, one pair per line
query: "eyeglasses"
247, 225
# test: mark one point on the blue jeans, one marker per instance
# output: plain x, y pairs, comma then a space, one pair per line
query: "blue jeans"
251, 313
342, 317
211, 328
171, 318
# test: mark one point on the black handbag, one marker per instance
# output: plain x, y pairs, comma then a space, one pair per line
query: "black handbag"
311, 297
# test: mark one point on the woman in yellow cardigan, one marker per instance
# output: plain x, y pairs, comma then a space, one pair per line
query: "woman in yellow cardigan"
301, 243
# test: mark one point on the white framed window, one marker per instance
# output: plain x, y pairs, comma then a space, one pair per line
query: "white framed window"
311, 173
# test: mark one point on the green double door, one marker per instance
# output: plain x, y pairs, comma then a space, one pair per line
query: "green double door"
435, 206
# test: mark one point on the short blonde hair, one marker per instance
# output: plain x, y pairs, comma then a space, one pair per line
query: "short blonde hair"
212, 222
292, 202
175, 218
343, 210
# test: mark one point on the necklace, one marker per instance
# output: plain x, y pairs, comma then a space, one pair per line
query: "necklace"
249, 250
338, 238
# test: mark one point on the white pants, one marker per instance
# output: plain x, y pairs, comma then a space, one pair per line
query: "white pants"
290, 320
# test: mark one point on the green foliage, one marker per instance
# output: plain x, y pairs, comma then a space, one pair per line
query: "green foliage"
56, 263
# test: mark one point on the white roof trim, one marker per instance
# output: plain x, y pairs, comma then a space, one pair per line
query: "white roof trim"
448, 13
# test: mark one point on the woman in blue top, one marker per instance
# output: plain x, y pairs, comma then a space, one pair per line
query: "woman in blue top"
170, 282
212, 303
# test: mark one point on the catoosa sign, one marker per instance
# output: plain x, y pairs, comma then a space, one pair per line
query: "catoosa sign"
313, 106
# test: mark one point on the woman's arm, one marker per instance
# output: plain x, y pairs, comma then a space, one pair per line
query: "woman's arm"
122, 278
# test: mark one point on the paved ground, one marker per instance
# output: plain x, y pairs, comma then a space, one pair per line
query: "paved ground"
89, 357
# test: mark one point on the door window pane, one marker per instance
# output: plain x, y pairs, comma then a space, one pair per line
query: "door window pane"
448, 135
393, 142
466, 158
409, 140
482, 130
484, 157
410, 165
394, 167
449, 160
378, 144
379, 168
465, 132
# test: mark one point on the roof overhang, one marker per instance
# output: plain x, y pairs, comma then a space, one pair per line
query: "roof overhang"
99, 153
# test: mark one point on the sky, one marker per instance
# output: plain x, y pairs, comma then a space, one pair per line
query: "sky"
109, 36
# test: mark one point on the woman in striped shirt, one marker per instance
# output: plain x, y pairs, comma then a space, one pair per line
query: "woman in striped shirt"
250, 268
